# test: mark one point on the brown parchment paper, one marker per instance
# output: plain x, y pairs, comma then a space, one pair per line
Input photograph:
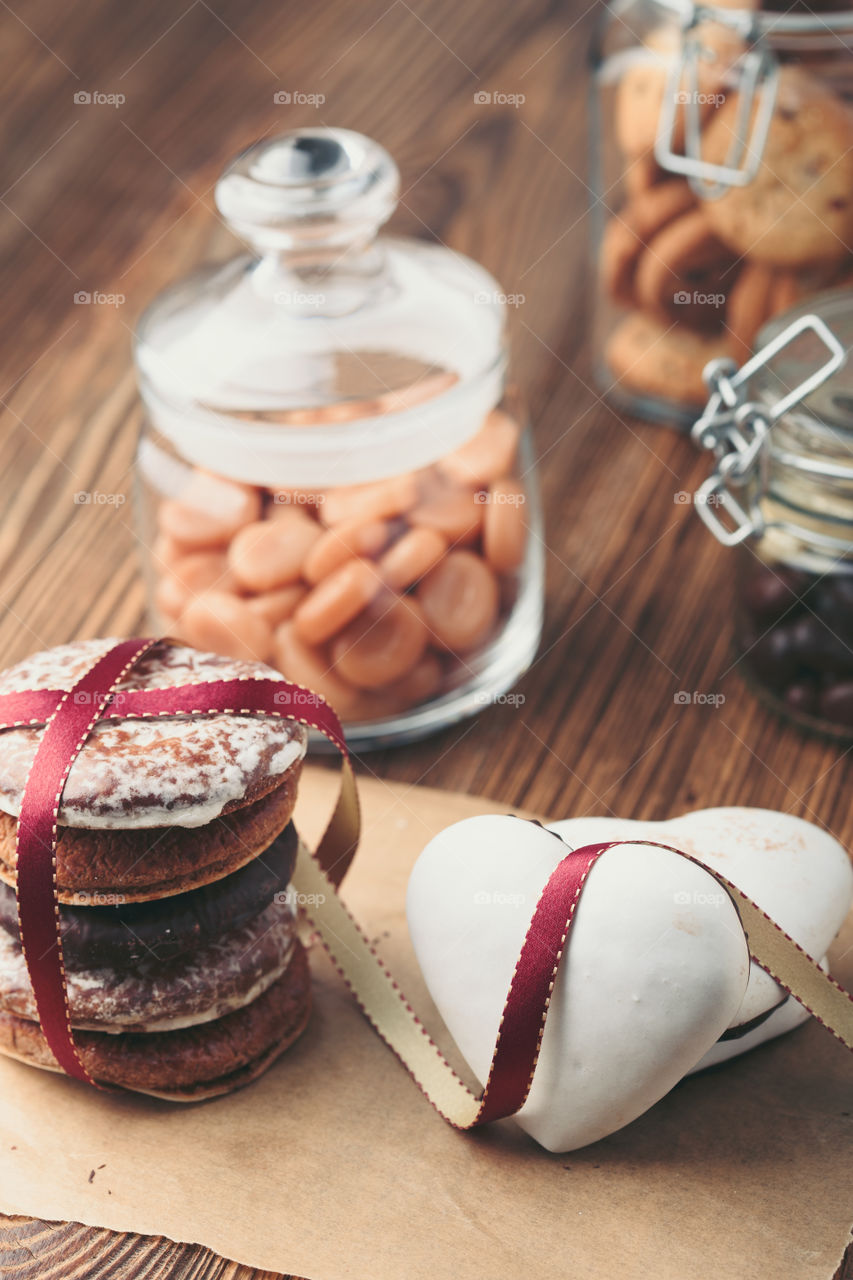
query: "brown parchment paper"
334, 1165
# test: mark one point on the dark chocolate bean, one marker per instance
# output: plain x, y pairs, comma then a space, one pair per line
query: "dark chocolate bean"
802, 696
819, 648
773, 657
767, 593
833, 602
836, 703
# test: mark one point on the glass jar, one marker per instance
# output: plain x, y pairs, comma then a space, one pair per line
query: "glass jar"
334, 476
782, 493
722, 161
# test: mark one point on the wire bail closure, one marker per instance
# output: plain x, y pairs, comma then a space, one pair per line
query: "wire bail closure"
735, 429
758, 81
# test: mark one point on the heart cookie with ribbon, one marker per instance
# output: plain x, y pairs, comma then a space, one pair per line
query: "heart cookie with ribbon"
798, 873
657, 968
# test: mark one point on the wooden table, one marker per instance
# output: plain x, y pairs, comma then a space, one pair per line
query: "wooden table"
116, 200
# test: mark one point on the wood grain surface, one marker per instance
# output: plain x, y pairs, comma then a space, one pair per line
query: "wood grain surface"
116, 199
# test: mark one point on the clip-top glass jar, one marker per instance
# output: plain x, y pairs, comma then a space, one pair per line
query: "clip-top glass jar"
722, 155
334, 477
782, 492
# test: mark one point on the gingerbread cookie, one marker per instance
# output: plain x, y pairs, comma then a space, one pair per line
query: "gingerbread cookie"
643, 84
682, 274
144, 773
627, 234
662, 362
191, 1063
138, 865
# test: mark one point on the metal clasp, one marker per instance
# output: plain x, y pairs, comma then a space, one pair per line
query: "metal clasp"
736, 429
759, 78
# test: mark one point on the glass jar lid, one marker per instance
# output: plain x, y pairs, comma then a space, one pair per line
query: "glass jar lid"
327, 353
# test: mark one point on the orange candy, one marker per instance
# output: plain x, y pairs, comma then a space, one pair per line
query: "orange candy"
382, 645
487, 456
504, 528
341, 543
277, 606
167, 550
190, 575
309, 580
455, 513
336, 601
209, 510
223, 623
363, 502
418, 685
411, 557
310, 666
270, 553
459, 599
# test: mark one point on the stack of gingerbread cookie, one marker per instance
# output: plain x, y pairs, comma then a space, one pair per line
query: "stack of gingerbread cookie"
185, 975
695, 271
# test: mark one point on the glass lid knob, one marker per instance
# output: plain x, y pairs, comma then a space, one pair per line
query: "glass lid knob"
310, 187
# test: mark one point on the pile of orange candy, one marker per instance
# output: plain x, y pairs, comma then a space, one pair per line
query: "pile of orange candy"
376, 596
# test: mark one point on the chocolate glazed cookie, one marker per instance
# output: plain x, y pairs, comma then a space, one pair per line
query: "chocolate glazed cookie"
167, 927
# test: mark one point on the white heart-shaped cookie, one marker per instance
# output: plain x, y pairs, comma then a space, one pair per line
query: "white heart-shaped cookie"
655, 970
796, 872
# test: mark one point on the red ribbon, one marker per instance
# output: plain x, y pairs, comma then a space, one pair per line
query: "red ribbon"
69, 717
523, 1019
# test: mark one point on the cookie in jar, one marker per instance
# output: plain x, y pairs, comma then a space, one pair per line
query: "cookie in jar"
723, 148
335, 476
